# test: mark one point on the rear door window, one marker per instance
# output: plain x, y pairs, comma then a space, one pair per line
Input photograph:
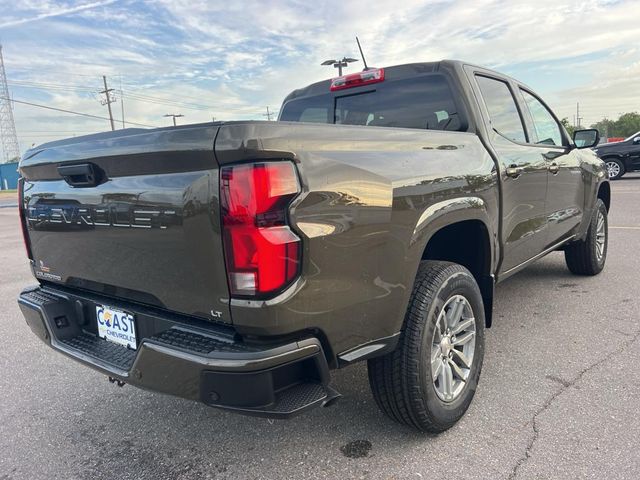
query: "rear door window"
501, 105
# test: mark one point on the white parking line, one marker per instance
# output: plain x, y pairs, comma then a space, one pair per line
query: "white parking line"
626, 228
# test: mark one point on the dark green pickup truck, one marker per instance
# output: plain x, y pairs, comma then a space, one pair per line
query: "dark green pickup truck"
238, 263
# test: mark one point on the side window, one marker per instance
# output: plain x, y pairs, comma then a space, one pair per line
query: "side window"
546, 128
309, 109
314, 115
502, 108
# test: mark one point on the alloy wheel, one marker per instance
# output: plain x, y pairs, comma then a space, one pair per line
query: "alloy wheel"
613, 169
601, 236
452, 348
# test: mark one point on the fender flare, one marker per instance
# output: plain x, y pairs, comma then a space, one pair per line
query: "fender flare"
450, 212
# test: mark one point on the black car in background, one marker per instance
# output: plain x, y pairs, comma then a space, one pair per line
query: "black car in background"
621, 157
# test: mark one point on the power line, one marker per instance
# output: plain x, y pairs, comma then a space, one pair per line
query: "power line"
49, 86
68, 134
177, 103
70, 111
168, 103
133, 95
58, 131
182, 95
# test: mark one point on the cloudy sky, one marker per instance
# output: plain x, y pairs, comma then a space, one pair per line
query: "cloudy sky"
232, 59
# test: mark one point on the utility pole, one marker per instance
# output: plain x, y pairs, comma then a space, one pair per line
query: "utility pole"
108, 100
121, 101
268, 114
8, 136
174, 115
578, 118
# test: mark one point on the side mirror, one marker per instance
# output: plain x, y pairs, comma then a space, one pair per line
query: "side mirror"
586, 138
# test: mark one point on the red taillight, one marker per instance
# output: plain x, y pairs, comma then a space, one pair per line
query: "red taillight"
262, 252
23, 219
358, 79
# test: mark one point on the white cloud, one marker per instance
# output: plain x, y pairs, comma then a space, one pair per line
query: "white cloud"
238, 57
48, 10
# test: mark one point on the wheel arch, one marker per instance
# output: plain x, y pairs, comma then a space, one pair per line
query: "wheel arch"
604, 194
464, 238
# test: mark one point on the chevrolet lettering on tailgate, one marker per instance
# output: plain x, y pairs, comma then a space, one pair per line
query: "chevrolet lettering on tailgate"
112, 215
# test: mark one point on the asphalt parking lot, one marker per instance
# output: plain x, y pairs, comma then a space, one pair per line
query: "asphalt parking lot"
558, 397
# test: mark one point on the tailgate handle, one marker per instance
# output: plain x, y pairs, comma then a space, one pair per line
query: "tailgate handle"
84, 175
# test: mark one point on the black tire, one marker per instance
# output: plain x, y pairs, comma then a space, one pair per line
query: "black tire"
402, 381
620, 172
583, 257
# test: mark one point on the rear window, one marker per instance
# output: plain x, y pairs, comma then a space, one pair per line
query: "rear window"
424, 102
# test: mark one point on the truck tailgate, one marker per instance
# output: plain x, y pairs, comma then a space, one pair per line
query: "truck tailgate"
145, 226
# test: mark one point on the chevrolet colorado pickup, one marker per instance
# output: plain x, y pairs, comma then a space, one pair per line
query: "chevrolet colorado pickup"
238, 263
620, 157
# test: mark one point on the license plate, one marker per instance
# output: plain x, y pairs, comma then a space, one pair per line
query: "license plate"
116, 326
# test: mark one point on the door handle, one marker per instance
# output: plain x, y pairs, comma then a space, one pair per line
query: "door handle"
514, 171
554, 168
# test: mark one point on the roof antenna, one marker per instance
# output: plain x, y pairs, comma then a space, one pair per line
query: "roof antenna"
362, 55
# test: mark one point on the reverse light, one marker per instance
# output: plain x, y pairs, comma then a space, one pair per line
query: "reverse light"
357, 79
23, 218
262, 252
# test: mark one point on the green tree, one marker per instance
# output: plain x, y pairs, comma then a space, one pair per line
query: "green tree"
626, 125
567, 126
606, 127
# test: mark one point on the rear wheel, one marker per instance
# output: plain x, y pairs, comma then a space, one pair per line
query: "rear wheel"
588, 256
615, 168
429, 381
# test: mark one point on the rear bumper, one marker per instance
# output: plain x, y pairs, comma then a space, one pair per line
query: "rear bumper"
199, 362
